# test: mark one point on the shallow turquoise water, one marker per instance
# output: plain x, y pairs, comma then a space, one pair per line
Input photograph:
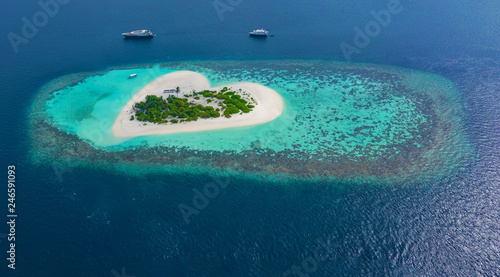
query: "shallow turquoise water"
90, 108
357, 109
357, 122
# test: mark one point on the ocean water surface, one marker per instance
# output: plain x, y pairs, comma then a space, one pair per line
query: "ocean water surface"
106, 214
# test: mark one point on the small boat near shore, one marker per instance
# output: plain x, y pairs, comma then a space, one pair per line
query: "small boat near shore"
259, 33
132, 76
139, 34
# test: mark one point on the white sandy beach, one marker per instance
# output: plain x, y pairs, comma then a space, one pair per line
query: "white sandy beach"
270, 106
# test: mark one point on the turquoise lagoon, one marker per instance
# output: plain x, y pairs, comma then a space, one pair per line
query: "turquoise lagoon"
349, 121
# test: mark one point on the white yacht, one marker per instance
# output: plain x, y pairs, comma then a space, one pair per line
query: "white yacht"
139, 34
259, 32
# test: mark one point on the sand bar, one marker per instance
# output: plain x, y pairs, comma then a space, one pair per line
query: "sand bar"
270, 106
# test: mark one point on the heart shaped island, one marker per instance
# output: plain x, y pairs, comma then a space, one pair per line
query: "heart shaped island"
183, 101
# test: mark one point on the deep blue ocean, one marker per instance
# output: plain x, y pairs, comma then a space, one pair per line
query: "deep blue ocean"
88, 222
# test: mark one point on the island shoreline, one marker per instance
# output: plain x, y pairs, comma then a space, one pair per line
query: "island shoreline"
269, 106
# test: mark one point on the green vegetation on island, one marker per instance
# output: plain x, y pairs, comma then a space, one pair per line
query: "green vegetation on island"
175, 109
